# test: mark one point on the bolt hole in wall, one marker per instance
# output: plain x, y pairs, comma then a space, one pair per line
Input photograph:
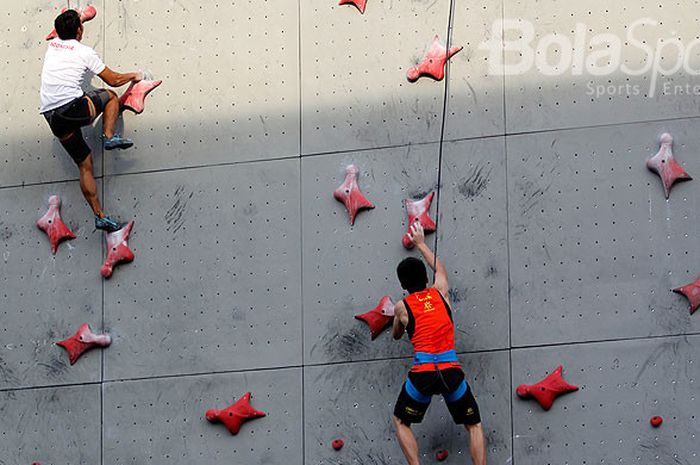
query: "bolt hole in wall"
563, 229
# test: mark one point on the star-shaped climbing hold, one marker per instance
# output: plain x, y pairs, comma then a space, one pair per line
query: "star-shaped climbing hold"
360, 4
52, 224
235, 415
134, 97
83, 340
379, 317
418, 211
666, 166
349, 194
692, 293
547, 390
85, 15
433, 64
118, 250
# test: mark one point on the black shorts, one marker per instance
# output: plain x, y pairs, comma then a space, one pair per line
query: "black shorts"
464, 409
65, 121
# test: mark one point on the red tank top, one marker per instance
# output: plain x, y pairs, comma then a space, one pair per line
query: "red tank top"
430, 326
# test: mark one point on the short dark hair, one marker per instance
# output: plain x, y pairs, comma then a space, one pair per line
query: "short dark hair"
67, 25
412, 274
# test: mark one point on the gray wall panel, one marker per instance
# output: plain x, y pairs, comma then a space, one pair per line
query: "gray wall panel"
595, 246
230, 91
57, 426
622, 385
536, 101
355, 402
472, 241
475, 104
354, 89
163, 421
44, 298
348, 269
216, 280
28, 151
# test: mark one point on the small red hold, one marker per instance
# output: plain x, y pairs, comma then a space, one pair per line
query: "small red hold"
86, 15
380, 317
433, 64
656, 421
418, 210
547, 390
441, 455
349, 194
134, 97
692, 293
666, 166
83, 340
337, 444
118, 250
235, 415
360, 4
52, 224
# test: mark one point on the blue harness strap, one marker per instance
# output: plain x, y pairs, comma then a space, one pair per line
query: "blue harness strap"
457, 393
420, 358
415, 394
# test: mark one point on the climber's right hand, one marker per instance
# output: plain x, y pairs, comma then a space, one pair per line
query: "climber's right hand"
417, 234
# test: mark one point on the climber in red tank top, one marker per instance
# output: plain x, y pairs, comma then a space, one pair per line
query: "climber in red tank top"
425, 314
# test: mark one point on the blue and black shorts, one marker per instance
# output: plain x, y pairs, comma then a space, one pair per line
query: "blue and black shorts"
420, 387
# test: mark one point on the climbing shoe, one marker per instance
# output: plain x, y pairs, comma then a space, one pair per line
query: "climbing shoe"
107, 224
117, 142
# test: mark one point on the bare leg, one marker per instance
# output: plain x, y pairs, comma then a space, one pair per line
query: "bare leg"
110, 115
477, 444
89, 186
407, 441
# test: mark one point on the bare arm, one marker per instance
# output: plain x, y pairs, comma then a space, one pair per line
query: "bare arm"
418, 237
400, 320
114, 79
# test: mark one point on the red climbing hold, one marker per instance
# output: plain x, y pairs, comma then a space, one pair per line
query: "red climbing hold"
692, 293
360, 4
349, 194
337, 444
134, 97
433, 64
86, 15
235, 415
656, 421
441, 455
380, 317
52, 224
118, 250
666, 166
83, 340
418, 210
547, 390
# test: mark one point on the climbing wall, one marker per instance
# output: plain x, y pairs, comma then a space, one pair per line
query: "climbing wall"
560, 244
